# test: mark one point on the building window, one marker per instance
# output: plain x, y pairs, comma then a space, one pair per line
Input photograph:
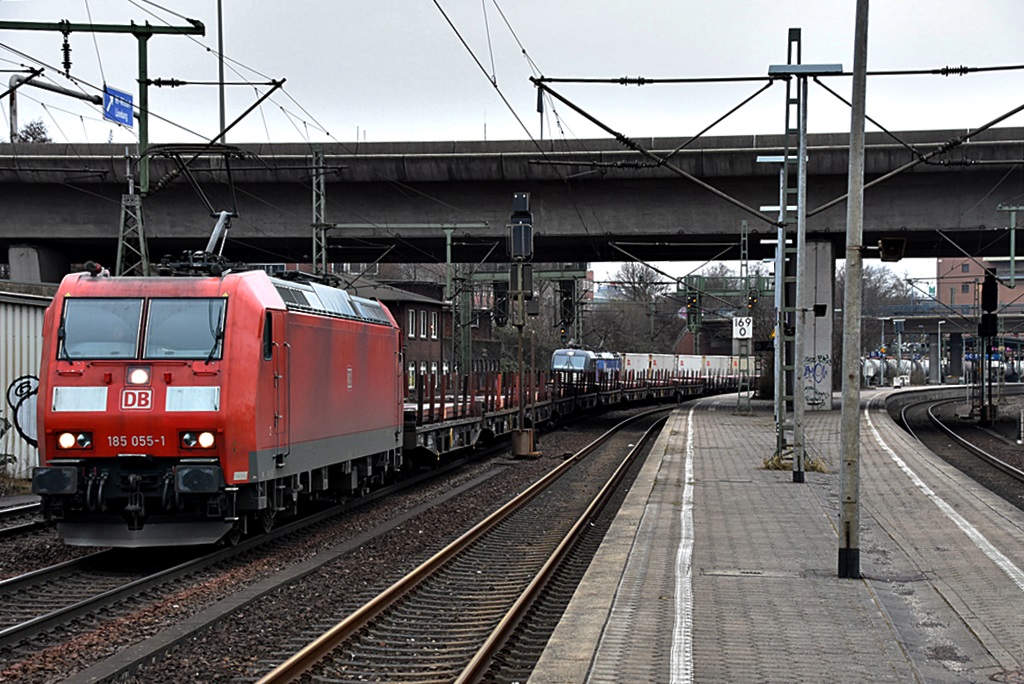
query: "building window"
412, 375
269, 269
423, 367
423, 324
433, 371
410, 330
965, 287
433, 325
965, 268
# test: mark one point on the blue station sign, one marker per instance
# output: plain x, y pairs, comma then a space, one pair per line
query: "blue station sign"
117, 106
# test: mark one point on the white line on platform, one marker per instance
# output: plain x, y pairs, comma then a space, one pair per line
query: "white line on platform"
682, 638
997, 557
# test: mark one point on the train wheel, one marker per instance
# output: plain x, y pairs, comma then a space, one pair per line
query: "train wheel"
233, 536
267, 518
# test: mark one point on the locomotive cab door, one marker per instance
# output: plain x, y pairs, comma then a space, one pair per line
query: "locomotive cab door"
277, 352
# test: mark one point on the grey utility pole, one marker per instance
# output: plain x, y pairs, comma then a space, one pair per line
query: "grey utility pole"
849, 483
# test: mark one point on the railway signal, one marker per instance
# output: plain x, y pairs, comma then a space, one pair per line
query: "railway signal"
989, 293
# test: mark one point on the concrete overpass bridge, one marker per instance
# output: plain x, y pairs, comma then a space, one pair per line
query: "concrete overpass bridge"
591, 199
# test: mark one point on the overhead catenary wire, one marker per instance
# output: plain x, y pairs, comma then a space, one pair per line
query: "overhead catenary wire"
289, 116
719, 120
955, 142
306, 124
573, 142
490, 46
944, 71
310, 125
62, 110
642, 80
98, 89
633, 145
882, 128
508, 105
96, 44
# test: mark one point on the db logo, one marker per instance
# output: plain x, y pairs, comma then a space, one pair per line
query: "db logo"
136, 399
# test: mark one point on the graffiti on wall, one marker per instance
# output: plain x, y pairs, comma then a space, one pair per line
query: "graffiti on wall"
817, 380
21, 400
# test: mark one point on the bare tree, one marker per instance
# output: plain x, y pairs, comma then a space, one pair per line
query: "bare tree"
881, 291
34, 132
643, 318
640, 283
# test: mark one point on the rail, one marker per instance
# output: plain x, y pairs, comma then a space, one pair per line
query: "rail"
387, 603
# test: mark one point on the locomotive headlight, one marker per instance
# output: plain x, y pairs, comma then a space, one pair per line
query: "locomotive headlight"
196, 439
138, 375
74, 440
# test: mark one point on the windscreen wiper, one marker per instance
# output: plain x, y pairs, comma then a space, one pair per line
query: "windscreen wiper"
216, 343
62, 355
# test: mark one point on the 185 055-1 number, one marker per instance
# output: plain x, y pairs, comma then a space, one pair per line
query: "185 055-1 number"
135, 440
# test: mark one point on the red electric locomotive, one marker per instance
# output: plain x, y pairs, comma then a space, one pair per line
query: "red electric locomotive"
179, 411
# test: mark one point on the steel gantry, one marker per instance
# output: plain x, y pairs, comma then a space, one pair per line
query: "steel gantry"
791, 252
132, 255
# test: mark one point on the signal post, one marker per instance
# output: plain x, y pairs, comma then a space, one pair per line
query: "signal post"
520, 247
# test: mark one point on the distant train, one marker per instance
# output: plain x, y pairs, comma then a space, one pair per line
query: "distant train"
182, 410
606, 365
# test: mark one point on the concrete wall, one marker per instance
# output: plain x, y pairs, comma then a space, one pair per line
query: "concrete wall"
21, 326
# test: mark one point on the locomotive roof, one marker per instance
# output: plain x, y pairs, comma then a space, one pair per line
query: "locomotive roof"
308, 297
317, 298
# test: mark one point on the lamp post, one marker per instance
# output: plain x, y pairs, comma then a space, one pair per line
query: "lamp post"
939, 359
881, 350
897, 324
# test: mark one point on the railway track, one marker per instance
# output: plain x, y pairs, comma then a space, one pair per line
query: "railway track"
65, 602
449, 618
929, 409
57, 595
23, 519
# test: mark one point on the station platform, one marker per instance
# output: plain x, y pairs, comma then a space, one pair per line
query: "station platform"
719, 570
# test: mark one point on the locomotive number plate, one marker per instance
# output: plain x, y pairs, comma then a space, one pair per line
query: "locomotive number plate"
135, 440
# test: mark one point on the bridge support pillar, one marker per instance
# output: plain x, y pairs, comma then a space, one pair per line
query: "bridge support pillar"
33, 264
955, 354
816, 368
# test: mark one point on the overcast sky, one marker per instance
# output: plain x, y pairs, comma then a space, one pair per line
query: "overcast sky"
395, 70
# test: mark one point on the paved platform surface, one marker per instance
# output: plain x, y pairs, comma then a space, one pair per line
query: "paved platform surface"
719, 570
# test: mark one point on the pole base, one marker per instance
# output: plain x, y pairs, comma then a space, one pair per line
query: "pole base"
849, 563
522, 444
798, 476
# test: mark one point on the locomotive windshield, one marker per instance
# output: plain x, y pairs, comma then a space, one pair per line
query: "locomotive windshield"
190, 328
97, 328
108, 328
568, 361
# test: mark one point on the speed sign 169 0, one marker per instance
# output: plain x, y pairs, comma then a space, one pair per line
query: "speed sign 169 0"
742, 328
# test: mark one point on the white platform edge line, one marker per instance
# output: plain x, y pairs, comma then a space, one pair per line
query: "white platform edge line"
986, 547
682, 638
